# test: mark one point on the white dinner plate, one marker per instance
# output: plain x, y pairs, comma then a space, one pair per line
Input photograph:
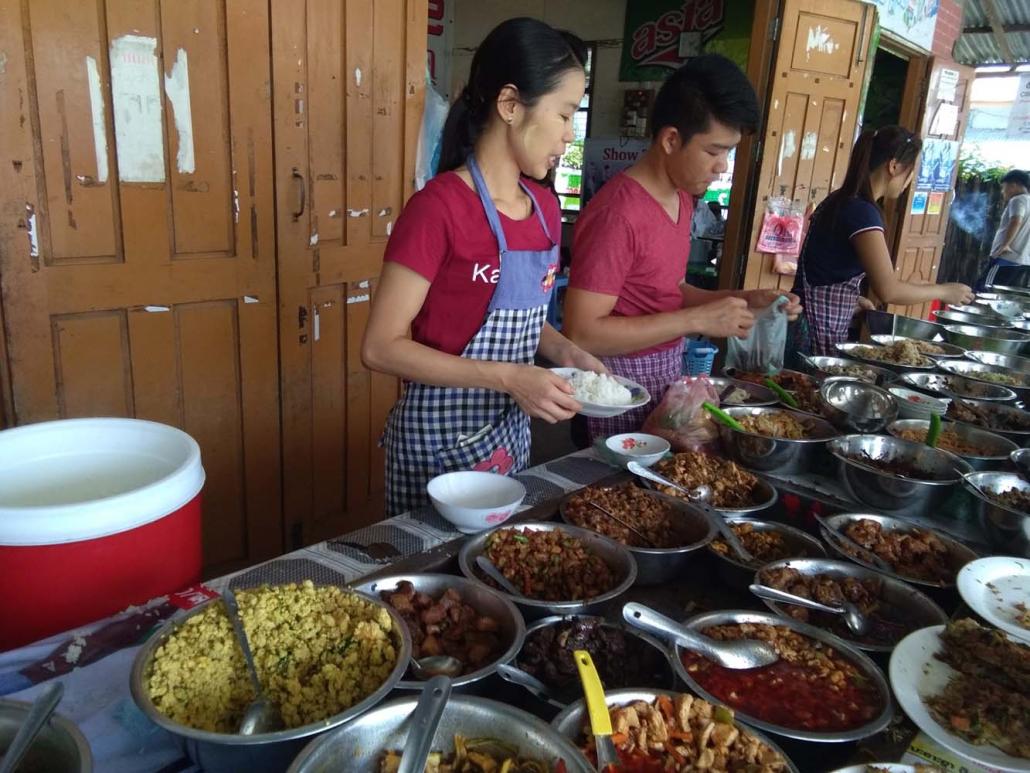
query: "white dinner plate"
599, 411
993, 586
916, 674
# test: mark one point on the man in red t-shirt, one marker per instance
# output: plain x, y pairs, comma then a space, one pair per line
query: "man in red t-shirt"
628, 301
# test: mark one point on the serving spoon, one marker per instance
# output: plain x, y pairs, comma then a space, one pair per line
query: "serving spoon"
424, 721
490, 570
426, 668
857, 623
736, 655
39, 712
261, 715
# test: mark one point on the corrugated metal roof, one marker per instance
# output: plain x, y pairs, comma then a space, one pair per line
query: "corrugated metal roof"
980, 46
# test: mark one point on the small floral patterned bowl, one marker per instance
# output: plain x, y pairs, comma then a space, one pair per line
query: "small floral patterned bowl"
638, 447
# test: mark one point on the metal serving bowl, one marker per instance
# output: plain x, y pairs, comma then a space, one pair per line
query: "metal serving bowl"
977, 370
855, 406
885, 323
358, 746
739, 574
1010, 361
1020, 437
266, 751
659, 565
1006, 528
959, 553
618, 558
1001, 341
907, 605
818, 367
977, 309
572, 720
758, 394
59, 748
996, 449
887, 491
1020, 324
860, 660
486, 601
666, 679
779, 455
850, 349
985, 320
764, 497
1021, 459
957, 386
948, 350
1011, 290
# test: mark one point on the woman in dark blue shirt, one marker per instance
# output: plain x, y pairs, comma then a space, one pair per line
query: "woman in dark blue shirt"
846, 243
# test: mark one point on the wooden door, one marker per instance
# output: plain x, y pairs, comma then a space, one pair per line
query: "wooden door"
348, 78
924, 221
137, 248
816, 90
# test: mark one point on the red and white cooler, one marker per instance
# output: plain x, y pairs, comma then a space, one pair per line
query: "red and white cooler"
95, 515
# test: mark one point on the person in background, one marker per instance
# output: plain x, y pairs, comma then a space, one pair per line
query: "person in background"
1011, 246
459, 310
845, 243
628, 301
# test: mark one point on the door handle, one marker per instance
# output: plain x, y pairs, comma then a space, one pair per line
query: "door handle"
301, 199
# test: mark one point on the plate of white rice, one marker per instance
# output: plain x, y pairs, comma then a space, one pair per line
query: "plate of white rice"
602, 395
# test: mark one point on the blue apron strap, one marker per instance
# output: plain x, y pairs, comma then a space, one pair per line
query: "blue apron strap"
539, 213
488, 205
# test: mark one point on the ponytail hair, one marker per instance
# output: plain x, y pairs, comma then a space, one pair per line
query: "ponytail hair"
526, 53
873, 149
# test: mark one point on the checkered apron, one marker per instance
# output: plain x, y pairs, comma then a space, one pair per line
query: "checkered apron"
432, 430
827, 315
654, 372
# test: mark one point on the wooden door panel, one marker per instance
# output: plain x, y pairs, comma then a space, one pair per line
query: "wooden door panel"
349, 76
813, 103
145, 292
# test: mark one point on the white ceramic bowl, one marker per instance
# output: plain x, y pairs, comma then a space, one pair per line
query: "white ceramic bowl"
916, 405
638, 447
473, 500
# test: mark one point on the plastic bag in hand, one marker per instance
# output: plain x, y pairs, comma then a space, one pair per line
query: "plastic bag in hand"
680, 419
762, 350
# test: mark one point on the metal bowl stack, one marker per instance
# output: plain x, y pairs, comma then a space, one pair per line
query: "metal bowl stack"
959, 554
996, 449
957, 386
359, 746
758, 395
1007, 528
885, 323
860, 660
998, 340
780, 455
1011, 361
618, 558
889, 491
738, 574
855, 406
486, 602
978, 371
59, 748
832, 367
571, 721
978, 318
658, 565
906, 604
266, 751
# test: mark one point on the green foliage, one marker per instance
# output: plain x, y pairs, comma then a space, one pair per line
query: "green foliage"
573, 158
972, 166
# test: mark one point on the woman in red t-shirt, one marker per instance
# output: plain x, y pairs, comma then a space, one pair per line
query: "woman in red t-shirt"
460, 308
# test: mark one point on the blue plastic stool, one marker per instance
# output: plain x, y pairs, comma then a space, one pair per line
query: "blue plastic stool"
554, 315
698, 357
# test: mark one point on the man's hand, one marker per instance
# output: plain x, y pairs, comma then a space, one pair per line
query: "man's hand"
760, 299
724, 318
864, 304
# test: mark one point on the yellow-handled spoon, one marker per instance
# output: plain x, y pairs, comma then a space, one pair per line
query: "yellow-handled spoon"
597, 708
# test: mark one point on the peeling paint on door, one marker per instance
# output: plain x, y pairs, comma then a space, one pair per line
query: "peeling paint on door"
808, 145
96, 104
820, 40
788, 147
177, 87
136, 98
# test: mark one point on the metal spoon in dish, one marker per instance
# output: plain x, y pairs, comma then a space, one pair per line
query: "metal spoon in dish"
866, 554
262, 715
647, 543
491, 571
39, 713
426, 668
740, 654
424, 721
527, 681
857, 623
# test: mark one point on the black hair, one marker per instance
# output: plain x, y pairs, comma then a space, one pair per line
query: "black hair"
1017, 176
872, 150
523, 52
706, 87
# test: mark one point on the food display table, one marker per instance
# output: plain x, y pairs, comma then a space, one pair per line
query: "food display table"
94, 661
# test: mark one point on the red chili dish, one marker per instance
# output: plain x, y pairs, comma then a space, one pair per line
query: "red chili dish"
812, 687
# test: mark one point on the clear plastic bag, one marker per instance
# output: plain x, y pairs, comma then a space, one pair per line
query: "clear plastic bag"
680, 419
782, 227
762, 350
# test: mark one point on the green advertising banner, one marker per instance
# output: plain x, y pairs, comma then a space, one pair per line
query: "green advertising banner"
660, 35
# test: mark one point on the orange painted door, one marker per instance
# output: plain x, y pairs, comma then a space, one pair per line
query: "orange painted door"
814, 99
137, 243
925, 213
348, 78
